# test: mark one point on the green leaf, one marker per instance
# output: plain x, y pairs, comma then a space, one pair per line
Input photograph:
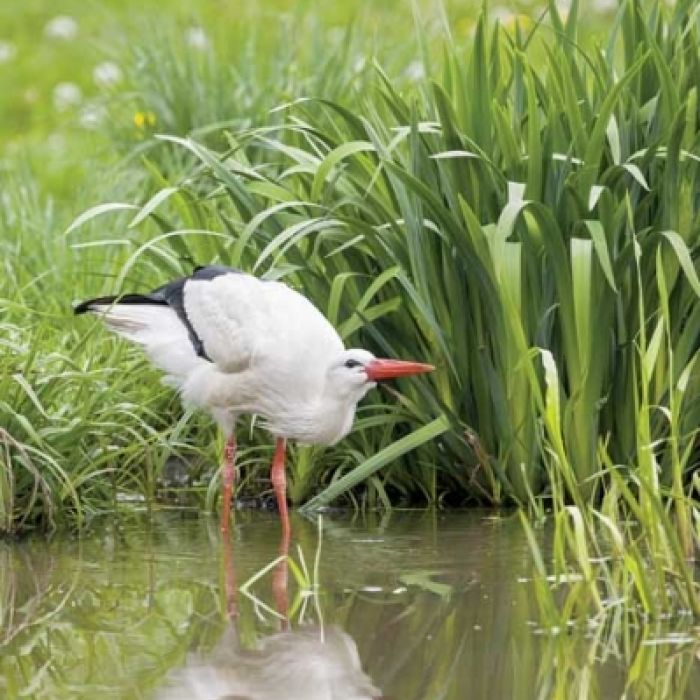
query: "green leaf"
377, 461
636, 173
683, 254
334, 158
98, 211
280, 243
152, 204
600, 244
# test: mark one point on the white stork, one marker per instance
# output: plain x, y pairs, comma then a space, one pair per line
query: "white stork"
234, 344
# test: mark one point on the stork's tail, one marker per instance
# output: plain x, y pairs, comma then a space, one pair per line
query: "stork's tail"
148, 319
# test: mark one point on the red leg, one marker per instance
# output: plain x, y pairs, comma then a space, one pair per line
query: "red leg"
229, 578
279, 481
279, 576
279, 583
227, 475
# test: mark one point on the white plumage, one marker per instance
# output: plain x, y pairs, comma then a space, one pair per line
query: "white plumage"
305, 664
270, 349
160, 331
233, 344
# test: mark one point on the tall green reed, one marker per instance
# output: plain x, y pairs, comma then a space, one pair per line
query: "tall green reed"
524, 217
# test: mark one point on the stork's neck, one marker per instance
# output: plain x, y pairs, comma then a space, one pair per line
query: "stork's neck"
322, 422
331, 420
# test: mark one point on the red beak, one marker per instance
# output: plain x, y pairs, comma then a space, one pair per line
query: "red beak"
388, 369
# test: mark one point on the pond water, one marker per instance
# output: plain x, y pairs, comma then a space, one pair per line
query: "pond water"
412, 606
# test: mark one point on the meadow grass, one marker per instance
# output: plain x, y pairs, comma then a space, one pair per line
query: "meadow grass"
73, 442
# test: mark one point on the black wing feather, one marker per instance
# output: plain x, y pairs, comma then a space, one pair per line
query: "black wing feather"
152, 298
171, 294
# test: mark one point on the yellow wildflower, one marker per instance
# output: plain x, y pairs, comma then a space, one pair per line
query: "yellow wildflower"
144, 119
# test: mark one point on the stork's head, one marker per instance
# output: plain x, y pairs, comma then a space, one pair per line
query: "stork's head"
356, 371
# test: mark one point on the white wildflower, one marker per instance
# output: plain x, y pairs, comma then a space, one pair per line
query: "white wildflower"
605, 5
61, 27
503, 14
7, 51
66, 95
415, 70
91, 116
197, 38
107, 74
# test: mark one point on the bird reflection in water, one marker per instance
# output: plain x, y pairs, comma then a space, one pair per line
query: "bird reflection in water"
311, 662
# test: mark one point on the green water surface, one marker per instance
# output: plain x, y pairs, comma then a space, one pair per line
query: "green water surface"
412, 606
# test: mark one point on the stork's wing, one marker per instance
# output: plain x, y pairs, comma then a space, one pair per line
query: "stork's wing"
226, 317
148, 319
224, 313
244, 321
158, 321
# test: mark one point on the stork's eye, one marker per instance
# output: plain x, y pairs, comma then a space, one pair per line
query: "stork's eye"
350, 364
